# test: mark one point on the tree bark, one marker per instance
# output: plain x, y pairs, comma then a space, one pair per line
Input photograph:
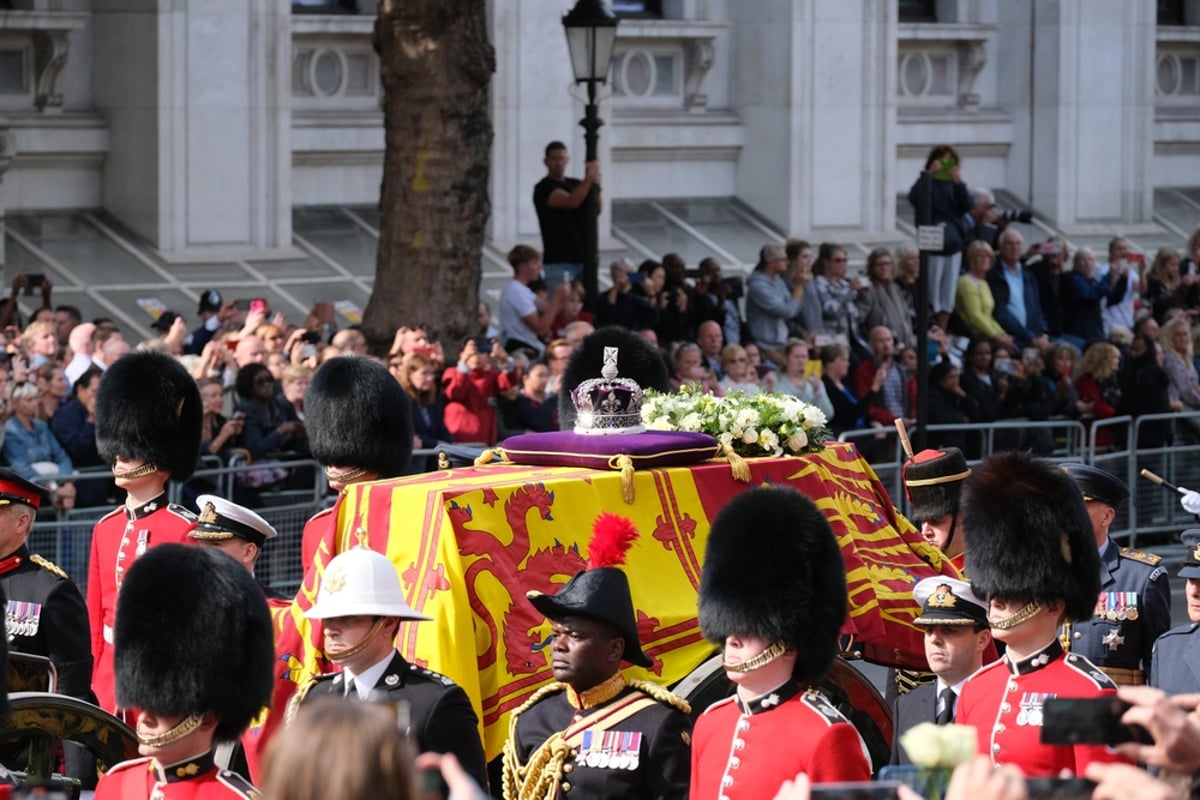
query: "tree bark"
436, 67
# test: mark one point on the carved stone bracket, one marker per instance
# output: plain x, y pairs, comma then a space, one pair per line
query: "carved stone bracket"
50, 50
972, 55
697, 61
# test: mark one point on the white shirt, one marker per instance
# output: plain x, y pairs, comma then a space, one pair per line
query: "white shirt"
79, 365
1122, 312
364, 682
516, 302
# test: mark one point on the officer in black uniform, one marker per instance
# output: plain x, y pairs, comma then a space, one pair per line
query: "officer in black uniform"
361, 604
45, 615
1175, 666
592, 733
1134, 605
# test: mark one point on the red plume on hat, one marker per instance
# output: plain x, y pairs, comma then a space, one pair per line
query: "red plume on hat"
612, 536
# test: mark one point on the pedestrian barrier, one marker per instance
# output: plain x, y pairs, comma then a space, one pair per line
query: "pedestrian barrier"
1152, 516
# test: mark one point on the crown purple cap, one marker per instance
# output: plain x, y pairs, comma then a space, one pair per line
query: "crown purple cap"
608, 404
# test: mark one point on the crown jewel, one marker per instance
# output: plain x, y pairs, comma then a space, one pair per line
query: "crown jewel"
608, 404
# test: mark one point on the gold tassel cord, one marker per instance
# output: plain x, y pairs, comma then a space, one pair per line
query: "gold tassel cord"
625, 464
491, 454
538, 779
737, 464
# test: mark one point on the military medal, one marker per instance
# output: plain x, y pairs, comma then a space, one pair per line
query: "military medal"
592, 759
1114, 640
635, 749
1023, 714
602, 757
143, 541
1131, 613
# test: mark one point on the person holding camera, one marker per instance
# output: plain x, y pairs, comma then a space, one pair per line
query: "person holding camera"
524, 319
1122, 260
10, 314
1085, 293
950, 200
484, 370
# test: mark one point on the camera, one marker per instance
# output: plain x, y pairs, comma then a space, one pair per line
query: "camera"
1010, 215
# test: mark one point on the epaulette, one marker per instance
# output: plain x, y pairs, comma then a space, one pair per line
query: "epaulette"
1086, 668
53, 569
1140, 555
239, 785
181, 511
820, 704
662, 695
437, 676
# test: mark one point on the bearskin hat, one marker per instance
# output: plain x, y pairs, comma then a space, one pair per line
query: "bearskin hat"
637, 360
193, 635
148, 408
1028, 534
933, 483
358, 415
787, 581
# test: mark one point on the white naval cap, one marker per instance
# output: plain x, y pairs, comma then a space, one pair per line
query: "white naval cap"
221, 519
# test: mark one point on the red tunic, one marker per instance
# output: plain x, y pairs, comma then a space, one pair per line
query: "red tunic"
746, 750
314, 530
1003, 701
195, 778
117, 541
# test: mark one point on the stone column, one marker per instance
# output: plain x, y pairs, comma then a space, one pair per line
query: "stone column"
815, 88
197, 96
1091, 142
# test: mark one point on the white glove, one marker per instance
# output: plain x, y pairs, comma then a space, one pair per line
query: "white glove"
1191, 502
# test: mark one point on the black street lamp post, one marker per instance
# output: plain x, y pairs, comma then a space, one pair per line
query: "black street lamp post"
591, 32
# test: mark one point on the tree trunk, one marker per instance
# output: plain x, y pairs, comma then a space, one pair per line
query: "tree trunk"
436, 64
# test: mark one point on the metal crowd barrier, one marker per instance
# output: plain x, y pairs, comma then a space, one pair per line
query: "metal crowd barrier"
1152, 517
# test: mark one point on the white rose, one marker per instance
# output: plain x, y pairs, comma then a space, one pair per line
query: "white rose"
691, 422
814, 417
923, 743
750, 436
797, 441
959, 743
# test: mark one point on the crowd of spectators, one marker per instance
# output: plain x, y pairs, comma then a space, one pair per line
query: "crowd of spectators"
1034, 333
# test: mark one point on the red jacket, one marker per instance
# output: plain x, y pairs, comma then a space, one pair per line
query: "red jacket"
745, 751
471, 402
117, 540
194, 779
1003, 701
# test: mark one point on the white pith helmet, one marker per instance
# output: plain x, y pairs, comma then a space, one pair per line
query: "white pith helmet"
361, 582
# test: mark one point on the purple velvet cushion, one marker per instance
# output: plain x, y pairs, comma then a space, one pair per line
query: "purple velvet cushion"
646, 450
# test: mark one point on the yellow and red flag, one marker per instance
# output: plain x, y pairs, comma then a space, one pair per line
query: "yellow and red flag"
469, 543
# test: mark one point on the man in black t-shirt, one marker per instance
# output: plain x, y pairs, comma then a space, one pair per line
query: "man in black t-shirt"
565, 209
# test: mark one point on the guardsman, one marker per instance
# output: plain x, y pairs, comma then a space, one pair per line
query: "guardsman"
957, 640
148, 417
194, 657
1134, 605
593, 733
933, 482
359, 424
1175, 666
1032, 556
45, 615
235, 529
776, 602
361, 605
